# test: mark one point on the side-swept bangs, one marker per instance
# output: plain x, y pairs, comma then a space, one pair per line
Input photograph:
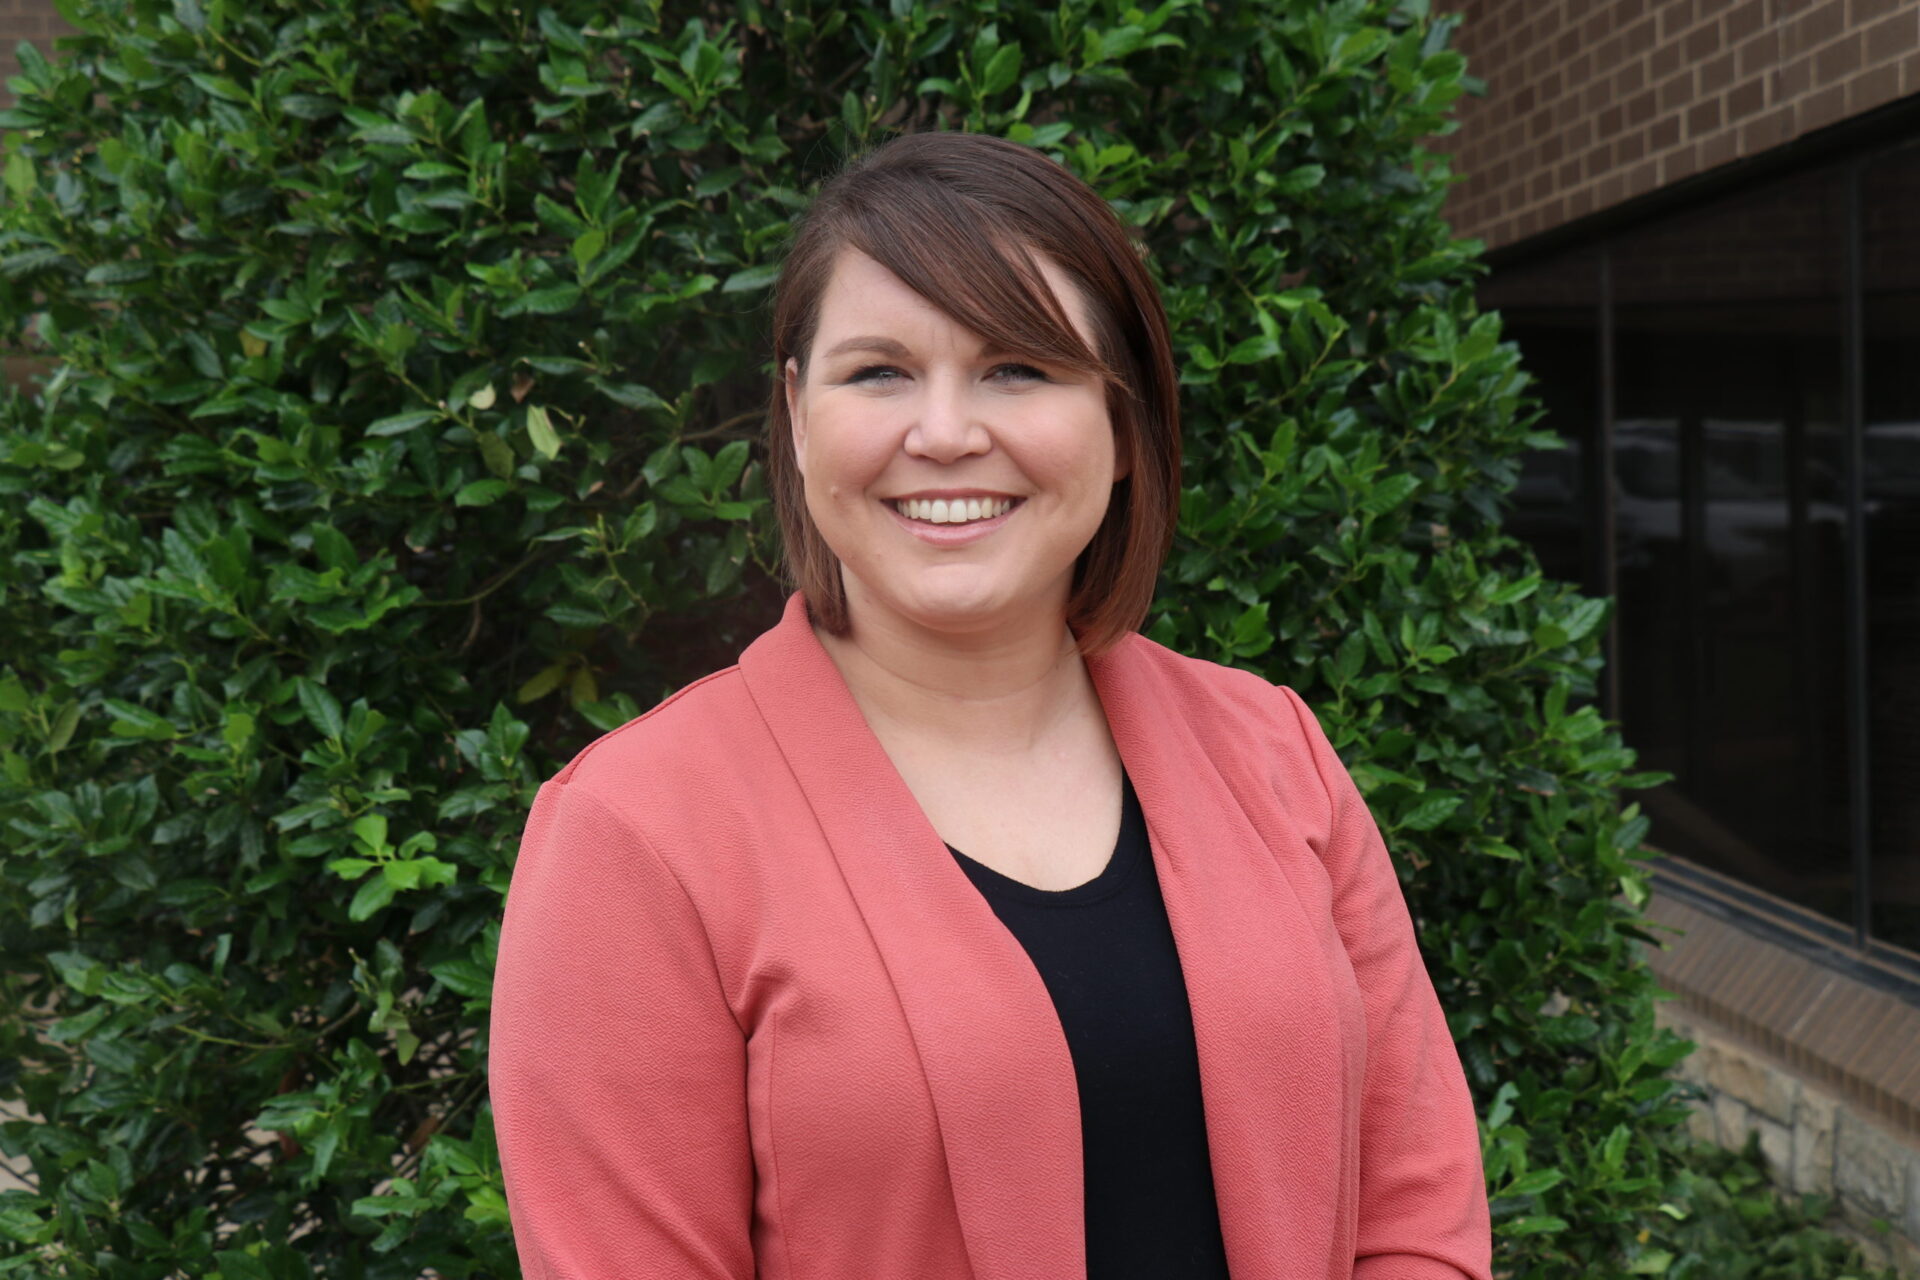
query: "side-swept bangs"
962, 220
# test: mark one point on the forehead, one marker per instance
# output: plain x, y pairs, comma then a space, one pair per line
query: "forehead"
861, 292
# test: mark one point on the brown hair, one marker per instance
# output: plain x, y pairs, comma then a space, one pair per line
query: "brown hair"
958, 218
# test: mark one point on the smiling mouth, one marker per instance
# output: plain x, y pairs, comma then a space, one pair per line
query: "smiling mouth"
953, 510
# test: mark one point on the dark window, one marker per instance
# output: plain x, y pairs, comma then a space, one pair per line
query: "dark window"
1729, 524
1551, 312
1890, 394
1698, 364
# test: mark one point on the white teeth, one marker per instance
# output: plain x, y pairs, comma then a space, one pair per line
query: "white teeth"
952, 511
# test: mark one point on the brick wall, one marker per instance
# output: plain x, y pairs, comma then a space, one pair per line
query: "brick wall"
1591, 102
36, 22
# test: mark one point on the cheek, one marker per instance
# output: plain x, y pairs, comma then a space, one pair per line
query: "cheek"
847, 450
1077, 447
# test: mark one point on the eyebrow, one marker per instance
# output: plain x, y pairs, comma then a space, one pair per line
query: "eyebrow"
894, 350
880, 346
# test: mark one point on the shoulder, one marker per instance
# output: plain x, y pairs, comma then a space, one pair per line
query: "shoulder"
1262, 737
690, 733
1219, 701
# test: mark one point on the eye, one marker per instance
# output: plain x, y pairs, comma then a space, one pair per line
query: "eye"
874, 373
1018, 373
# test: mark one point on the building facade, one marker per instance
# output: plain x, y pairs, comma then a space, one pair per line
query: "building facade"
1703, 219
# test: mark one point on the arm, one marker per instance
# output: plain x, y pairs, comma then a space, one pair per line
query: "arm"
1423, 1198
617, 1070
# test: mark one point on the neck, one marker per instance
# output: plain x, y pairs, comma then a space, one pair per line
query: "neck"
1002, 690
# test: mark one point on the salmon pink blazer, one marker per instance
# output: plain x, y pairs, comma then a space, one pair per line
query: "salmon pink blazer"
751, 1019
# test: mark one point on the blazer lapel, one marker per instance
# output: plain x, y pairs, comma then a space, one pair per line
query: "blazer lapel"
989, 1041
1275, 1057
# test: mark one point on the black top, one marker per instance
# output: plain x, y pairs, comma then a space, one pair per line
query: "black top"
1105, 951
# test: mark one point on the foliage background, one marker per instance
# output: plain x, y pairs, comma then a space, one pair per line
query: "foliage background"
403, 432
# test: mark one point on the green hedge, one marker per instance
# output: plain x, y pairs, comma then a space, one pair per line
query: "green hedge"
405, 432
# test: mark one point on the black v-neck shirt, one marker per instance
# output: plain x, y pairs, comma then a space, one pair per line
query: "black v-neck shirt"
1105, 951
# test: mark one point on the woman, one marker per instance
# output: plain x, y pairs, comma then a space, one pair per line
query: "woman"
959, 930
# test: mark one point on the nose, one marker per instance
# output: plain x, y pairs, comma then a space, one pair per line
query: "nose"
946, 427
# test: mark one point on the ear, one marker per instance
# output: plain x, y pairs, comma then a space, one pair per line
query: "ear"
796, 411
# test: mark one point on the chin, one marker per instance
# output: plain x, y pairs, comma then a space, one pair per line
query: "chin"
949, 606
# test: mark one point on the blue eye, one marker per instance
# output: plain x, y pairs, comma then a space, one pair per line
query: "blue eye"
1019, 373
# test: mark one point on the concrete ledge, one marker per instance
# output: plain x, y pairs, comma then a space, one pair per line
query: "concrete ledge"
1822, 1066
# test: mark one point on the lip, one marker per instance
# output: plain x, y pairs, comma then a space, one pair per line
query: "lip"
952, 535
950, 494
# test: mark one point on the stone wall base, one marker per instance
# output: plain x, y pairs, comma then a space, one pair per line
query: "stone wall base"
1814, 1142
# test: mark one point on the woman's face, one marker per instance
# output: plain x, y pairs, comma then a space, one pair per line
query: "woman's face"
956, 484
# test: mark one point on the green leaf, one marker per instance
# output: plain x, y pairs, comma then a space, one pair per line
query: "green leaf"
1001, 71
481, 493
321, 707
540, 430
374, 893
549, 301
400, 423
752, 278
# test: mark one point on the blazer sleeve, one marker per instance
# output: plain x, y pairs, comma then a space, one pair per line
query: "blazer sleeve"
1423, 1199
616, 1066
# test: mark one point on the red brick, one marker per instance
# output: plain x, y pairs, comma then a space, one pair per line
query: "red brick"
1702, 42
1820, 24
1703, 118
1717, 74
1677, 93
1722, 148
1640, 37
1644, 177
1665, 133
1580, 203
1568, 174
1664, 62
1747, 99
1838, 60
1579, 134
1675, 18
1892, 37
1760, 53
1822, 108
1679, 164
1796, 79
1631, 147
1872, 88
1612, 121
1631, 79
1599, 160
1745, 19
1861, 12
